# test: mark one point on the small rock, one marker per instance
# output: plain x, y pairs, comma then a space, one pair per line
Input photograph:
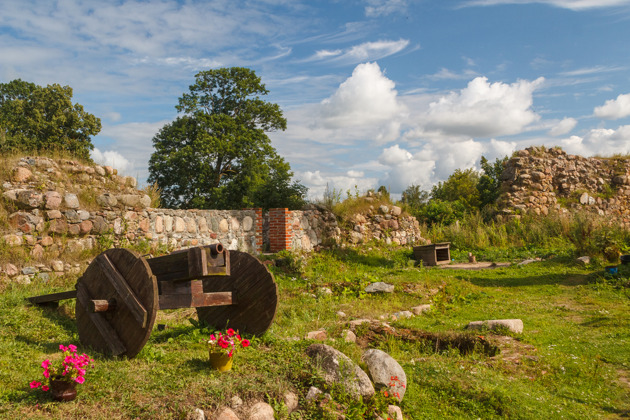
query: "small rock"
379, 287
22, 279
236, 402
290, 401
325, 291
420, 309
386, 373
225, 413
261, 411
57, 265
37, 252
313, 393
336, 367
349, 336
586, 260
341, 314
394, 412
357, 322
319, 335
196, 414
403, 315
71, 201
29, 270
21, 174
11, 270
514, 325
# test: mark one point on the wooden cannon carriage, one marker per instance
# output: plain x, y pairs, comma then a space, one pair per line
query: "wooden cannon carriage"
120, 292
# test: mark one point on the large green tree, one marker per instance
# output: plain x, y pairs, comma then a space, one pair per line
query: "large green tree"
217, 153
37, 119
489, 185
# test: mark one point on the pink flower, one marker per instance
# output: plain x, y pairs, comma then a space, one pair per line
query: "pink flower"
35, 384
245, 343
72, 348
80, 379
45, 388
230, 332
46, 363
62, 347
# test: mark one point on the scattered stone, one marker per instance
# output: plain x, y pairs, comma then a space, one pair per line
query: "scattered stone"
336, 367
29, 271
529, 261
21, 174
356, 322
386, 373
379, 287
403, 315
52, 200
313, 393
225, 413
22, 279
319, 335
325, 291
586, 260
236, 402
37, 252
57, 265
394, 412
420, 309
261, 411
291, 401
514, 325
349, 336
341, 314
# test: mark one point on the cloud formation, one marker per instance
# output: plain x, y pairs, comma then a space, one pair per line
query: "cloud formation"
484, 109
596, 140
367, 51
567, 4
613, 109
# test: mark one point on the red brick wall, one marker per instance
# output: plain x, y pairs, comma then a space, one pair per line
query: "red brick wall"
279, 229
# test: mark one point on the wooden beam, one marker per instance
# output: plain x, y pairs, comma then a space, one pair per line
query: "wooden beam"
102, 326
53, 297
127, 296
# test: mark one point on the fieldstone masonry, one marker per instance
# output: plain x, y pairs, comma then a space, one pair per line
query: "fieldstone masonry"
55, 206
541, 180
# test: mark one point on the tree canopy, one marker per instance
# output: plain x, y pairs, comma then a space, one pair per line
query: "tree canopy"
36, 119
217, 153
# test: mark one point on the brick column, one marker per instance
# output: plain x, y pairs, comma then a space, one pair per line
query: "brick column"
279, 229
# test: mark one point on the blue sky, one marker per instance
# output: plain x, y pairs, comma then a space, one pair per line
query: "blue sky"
376, 92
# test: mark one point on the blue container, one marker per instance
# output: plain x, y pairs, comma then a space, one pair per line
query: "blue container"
611, 269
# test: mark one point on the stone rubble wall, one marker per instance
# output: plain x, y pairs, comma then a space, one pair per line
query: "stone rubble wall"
541, 180
57, 206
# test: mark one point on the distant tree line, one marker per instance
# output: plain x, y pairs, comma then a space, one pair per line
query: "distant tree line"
464, 191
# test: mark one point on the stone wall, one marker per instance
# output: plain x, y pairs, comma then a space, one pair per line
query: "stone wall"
541, 180
56, 206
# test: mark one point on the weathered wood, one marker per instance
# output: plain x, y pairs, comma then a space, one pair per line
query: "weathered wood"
195, 301
97, 282
103, 327
190, 264
53, 297
124, 292
255, 296
101, 305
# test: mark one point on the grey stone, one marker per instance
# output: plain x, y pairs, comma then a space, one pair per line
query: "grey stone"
403, 315
394, 412
379, 287
420, 309
386, 373
336, 367
52, 200
107, 200
30, 199
349, 336
313, 393
586, 260
28, 270
248, 222
71, 201
236, 402
291, 401
514, 325
318, 335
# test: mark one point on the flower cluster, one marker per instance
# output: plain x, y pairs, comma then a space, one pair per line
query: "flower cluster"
72, 367
227, 343
393, 384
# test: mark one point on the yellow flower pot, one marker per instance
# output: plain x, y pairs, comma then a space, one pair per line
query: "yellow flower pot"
220, 361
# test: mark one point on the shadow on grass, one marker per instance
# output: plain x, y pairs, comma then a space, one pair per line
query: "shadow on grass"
544, 280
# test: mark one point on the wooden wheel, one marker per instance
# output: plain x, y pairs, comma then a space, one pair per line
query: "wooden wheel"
117, 301
254, 293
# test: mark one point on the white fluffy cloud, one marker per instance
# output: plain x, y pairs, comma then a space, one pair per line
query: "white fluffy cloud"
614, 109
484, 109
596, 140
110, 158
563, 127
404, 169
365, 99
377, 8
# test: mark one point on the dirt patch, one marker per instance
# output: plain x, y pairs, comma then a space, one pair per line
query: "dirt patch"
475, 266
466, 343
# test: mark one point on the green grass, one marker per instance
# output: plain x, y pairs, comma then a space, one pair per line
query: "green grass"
571, 361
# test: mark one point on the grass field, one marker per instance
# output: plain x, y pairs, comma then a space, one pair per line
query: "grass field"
571, 361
